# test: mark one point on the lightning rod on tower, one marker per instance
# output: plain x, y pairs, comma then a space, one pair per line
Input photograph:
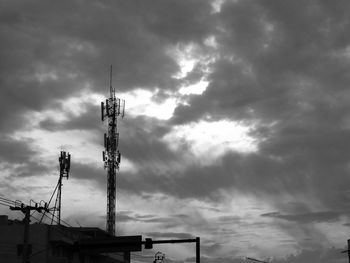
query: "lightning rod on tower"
111, 109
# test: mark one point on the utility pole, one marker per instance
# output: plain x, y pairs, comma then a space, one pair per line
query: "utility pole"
26, 210
112, 109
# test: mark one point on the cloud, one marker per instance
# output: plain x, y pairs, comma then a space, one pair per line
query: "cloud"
332, 255
16, 151
46, 58
279, 69
315, 217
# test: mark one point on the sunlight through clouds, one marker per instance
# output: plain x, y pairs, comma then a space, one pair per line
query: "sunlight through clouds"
139, 102
197, 88
184, 56
210, 140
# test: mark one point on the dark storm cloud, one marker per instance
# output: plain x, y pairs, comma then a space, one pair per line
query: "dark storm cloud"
89, 119
19, 157
283, 68
197, 181
83, 171
315, 217
162, 222
229, 219
140, 141
330, 255
253, 174
32, 168
126, 216
16, 151
253, 81
46, 55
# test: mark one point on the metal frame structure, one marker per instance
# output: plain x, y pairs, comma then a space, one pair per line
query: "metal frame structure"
111, 109
64, 161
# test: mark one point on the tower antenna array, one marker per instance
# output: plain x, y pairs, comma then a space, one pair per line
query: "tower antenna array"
111, 109
64, 162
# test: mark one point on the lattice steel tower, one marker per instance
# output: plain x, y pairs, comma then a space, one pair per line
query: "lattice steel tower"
111, 109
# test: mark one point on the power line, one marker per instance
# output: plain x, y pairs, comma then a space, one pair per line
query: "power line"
5, 200
50, 200
65, 222
4, 204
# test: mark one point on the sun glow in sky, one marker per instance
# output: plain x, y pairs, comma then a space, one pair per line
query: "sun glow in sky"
210, 140
141, 102
197, 88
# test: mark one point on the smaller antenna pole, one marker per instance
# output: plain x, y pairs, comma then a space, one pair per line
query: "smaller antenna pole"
64, 161
59, 199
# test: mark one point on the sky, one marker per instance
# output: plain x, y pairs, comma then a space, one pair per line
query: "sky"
236, 126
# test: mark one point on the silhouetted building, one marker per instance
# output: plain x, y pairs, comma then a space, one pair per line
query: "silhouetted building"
53, 244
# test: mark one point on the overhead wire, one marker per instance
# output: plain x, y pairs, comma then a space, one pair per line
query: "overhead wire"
5, 200
34, 218
5, 204
56, 202
48, 204
48, 218
65, 222
9, 203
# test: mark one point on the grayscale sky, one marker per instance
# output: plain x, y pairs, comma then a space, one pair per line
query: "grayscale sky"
237, 124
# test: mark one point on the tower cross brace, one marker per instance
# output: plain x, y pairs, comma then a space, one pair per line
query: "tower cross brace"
111, 109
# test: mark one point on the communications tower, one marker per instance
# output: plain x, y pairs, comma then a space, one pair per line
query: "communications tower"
111, 110
64, 161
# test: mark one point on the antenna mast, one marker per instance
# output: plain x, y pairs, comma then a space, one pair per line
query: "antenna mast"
112, 109
64, 161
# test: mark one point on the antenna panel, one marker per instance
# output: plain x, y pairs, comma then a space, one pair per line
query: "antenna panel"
122, 108
107, 108
118, 157
102, 111
68, 163
118, 107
